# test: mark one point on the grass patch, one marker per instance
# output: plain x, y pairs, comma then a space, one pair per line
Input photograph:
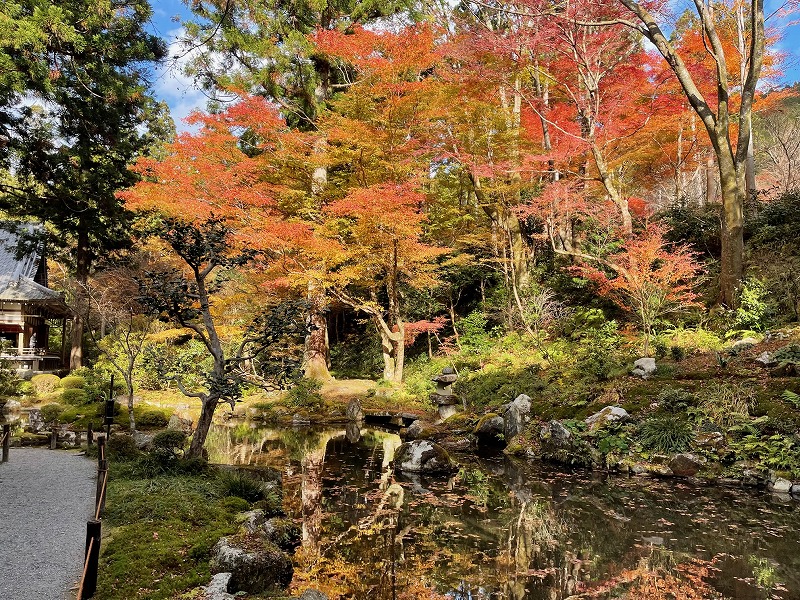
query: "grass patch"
163, 529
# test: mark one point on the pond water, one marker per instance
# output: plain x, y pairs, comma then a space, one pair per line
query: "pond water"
506, 529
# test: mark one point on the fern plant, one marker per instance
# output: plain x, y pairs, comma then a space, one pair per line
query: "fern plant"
791, 397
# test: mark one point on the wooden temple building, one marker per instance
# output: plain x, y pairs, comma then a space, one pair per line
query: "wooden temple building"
28, 308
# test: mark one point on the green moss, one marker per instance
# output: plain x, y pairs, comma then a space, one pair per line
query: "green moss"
162, 533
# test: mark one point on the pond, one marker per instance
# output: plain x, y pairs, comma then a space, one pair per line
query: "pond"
507, 529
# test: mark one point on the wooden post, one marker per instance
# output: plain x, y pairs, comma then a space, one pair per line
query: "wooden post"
92, 555
54, 438
89, 434
6, 441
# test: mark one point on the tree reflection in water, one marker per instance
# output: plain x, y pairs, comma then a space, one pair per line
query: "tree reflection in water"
505, 530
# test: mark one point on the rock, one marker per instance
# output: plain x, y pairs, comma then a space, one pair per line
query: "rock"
778, 484
180, 424
312, 594
710, 439
253, 520
283, 533
555, 434
523, 403
765, 360
354, 411
252, 571
644, 367
490, 429
447, 410
610, 414
35, 421
299, 420
415, 430
217, 589
423, 456
744, 344
143, 441
686, 464
795, 489
10, 406
651, 469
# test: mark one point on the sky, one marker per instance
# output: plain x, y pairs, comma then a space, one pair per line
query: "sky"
182, 96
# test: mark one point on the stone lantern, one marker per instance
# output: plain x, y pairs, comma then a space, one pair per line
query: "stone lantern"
443, 396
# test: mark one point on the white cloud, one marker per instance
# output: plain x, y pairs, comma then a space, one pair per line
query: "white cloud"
174, 86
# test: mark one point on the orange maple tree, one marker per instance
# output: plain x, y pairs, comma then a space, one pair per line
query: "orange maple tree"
649, 278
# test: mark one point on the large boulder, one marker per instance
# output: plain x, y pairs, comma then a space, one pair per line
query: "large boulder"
610, 414
180, 424
255, 565
516, 416
555, 435
312, 594
8, 405
35, 421
490, 429
423, 456
282, 532
644, 367
143, 441
686, 464
354, 411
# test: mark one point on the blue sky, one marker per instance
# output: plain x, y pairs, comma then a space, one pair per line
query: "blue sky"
182, 96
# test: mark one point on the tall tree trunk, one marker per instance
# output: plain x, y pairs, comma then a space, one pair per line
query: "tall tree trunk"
732, 181
209, 405
82, 264
317, 346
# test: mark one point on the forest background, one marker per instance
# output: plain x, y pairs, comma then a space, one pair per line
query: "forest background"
508, 189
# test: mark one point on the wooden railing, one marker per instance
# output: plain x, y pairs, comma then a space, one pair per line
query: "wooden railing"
5, 439
88, 582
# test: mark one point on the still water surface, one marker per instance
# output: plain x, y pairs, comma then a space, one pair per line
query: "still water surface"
504, 529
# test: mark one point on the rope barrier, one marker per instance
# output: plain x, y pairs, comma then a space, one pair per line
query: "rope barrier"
102, 496
79, 595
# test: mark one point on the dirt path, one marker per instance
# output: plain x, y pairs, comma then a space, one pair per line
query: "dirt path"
46, 496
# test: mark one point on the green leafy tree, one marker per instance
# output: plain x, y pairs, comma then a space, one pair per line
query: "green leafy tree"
69, 155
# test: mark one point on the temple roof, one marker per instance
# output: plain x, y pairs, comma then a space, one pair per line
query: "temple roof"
19, 266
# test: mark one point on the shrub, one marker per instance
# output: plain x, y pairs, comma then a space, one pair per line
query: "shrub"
51, 412
241, 485
677, 353
72, 414
170, 441
754, 307
151, 419
727, 404
74, 396
122, 447
73, 382
305, 394
45, 383
473, 331
673, 400
665, 434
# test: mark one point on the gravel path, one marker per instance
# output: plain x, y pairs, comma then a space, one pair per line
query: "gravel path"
46, 496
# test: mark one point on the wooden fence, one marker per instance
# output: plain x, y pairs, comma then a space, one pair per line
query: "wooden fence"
88, 581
